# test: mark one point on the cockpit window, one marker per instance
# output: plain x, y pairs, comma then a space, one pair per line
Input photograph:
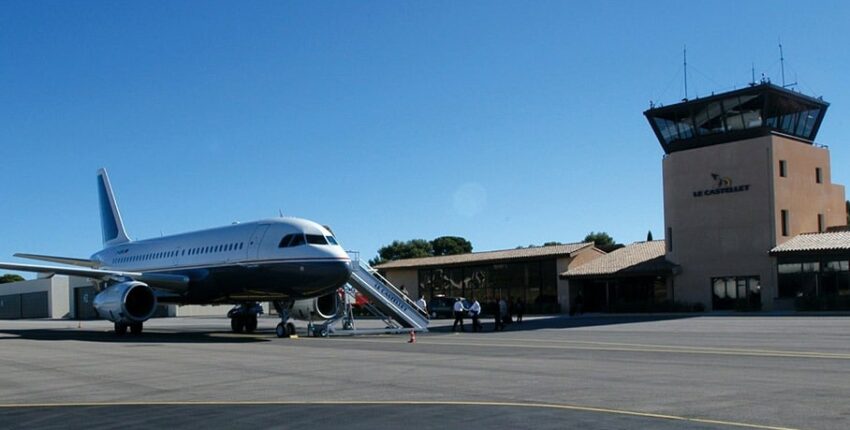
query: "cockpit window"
285, 241
316, 239
297, 239
331, 240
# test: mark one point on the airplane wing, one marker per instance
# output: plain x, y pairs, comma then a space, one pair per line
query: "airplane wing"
82, 262
162, 281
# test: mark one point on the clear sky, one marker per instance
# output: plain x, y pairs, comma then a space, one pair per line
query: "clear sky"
506, 122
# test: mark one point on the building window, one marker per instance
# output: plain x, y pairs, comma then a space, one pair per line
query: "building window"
784, 221
741, 293
818, 175
820, 223
669, 239
783, 168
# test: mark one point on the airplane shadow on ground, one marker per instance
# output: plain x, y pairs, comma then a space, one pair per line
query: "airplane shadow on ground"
557, 322
144, 338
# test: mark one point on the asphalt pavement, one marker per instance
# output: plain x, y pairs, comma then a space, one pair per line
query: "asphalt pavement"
589, 372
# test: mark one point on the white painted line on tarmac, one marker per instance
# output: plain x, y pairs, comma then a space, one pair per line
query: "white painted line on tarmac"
400, 403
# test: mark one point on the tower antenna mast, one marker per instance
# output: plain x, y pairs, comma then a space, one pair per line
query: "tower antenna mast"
685, 58
753, 71
782, 66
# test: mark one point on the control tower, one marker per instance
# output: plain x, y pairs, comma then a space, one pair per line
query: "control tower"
742, 174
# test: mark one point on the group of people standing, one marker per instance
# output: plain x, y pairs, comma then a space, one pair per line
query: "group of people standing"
502, 313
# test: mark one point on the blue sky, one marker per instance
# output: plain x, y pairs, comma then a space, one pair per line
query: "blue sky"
508, 123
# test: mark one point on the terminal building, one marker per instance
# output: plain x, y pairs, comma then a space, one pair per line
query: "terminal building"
750, 212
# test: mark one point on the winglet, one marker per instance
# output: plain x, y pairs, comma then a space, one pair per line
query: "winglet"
110, 218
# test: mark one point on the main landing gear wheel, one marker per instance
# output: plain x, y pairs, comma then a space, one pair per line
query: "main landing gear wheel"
243, 317
250, 322
237, 324
120, 329
285, 330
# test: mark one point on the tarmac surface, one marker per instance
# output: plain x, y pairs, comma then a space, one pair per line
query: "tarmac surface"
589, 372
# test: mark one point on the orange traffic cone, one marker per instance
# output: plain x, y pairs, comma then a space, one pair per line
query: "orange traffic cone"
412, 337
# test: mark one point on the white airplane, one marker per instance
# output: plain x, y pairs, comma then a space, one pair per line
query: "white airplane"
294, 263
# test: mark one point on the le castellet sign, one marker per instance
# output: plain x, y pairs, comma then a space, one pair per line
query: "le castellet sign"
722, 185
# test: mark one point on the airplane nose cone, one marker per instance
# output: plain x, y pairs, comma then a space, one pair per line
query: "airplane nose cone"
336, 274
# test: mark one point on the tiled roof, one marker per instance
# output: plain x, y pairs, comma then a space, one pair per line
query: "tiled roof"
477, 257
830, 241
637, 258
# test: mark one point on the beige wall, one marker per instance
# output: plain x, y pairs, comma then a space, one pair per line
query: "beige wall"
207, 310
407, 277
800, 194
565, 296
730, 234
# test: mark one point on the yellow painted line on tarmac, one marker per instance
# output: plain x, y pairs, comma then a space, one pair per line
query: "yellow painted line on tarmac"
467, 342
399, 403
695, 348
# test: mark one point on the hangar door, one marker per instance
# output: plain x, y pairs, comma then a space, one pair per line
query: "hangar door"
10, 306
34, 305
83, 299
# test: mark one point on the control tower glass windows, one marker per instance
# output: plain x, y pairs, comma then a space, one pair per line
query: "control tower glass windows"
736, 115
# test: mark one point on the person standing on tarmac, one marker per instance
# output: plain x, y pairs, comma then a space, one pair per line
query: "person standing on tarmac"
519, 309
474, 311
458, 311
497, 316
503, 311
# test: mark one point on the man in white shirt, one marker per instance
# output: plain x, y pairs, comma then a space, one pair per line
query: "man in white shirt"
422, 304
458, 311
474, 311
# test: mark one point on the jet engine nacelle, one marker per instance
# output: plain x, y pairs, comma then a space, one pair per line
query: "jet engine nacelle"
127, 302
318, 308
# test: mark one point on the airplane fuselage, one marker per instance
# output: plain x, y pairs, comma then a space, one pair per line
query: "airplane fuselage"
240, 262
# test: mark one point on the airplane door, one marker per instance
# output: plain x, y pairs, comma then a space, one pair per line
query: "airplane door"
253, 248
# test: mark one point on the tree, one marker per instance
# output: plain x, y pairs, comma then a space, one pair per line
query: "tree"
398, 250
649, 236
451, 245
602, 241
417, 248
552, 243
9, 277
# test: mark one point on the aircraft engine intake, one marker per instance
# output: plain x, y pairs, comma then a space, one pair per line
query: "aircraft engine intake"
127, 302
316, 309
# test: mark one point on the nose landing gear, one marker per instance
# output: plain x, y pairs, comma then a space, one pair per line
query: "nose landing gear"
284, 328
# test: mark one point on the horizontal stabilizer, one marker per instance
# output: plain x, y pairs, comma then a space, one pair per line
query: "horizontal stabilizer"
82, 262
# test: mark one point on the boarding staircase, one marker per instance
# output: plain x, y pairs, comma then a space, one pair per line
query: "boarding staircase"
387, 301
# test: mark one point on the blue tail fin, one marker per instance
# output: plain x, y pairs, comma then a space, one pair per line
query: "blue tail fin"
110, 217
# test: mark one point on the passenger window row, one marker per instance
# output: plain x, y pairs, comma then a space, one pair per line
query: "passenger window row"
171, 254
